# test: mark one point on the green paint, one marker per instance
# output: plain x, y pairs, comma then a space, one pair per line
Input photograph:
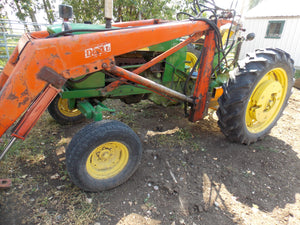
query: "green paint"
125, 90
174, 62
86, 109
93, 112
88, 93
95, 80
57, 28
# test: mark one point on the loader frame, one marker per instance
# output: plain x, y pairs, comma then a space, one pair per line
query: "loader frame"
42, 63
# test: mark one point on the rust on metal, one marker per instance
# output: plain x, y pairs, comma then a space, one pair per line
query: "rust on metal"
112, 86
158, 88
34, 112
153, 62
168, 53
49, 75
5, 183
89, 52
203, 79
125, 61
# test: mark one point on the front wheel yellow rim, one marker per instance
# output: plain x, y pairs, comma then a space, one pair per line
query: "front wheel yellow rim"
266, 100
107, 160
63, 107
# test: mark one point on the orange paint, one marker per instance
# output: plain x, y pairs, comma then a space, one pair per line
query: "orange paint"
77, 55
34, 112
203, 79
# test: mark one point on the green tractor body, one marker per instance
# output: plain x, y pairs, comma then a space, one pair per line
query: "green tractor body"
172, 72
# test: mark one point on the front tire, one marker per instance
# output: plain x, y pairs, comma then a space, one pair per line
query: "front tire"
256, 95
103, 155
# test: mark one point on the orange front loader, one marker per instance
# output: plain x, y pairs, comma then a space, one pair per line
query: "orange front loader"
41, 64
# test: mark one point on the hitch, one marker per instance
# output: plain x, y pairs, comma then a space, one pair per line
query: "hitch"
92, 112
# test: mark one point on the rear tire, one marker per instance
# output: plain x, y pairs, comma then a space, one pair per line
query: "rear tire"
60, 111
103, 155
256, 95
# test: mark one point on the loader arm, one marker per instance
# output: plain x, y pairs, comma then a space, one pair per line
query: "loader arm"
43, 60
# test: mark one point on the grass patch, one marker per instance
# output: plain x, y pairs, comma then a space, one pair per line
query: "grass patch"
11, 42
297, 74
31, 165
266, 148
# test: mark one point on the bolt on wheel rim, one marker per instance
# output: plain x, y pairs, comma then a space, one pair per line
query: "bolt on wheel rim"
107, 160
266, 100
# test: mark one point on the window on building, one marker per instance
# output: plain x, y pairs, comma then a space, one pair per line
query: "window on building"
275, 29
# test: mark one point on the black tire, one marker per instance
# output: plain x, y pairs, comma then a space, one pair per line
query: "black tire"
132, 99
103, 155
60, 111
256, 95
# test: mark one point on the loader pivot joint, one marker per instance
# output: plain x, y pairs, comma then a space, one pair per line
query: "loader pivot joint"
49, 75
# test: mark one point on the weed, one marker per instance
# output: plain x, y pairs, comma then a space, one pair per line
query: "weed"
45, 201
183, 134
149, 205
264, 148
120, 115
146, 199
198, 147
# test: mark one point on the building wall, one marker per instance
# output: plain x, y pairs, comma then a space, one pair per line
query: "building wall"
289, 41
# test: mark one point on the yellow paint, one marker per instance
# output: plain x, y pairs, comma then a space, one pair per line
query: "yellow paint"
64, 109
191, 60
225, 36
107, 160
144, 49
266, 100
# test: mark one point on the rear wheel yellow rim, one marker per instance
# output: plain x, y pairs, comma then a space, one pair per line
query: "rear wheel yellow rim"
63, 107
107, 160
191, 60
266, 100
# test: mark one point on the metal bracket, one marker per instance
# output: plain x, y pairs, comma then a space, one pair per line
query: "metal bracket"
93, 112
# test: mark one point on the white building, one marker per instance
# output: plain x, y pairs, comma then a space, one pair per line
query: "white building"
276, 24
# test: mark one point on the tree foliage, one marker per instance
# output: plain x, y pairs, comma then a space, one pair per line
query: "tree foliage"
3, 14
48, 7
124, 10
184, 5
87, 10
253, 3
93, 10
27, 9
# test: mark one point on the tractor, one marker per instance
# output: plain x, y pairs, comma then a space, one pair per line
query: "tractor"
71, 69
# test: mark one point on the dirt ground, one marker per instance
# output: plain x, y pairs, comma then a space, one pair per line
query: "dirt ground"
189, 174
